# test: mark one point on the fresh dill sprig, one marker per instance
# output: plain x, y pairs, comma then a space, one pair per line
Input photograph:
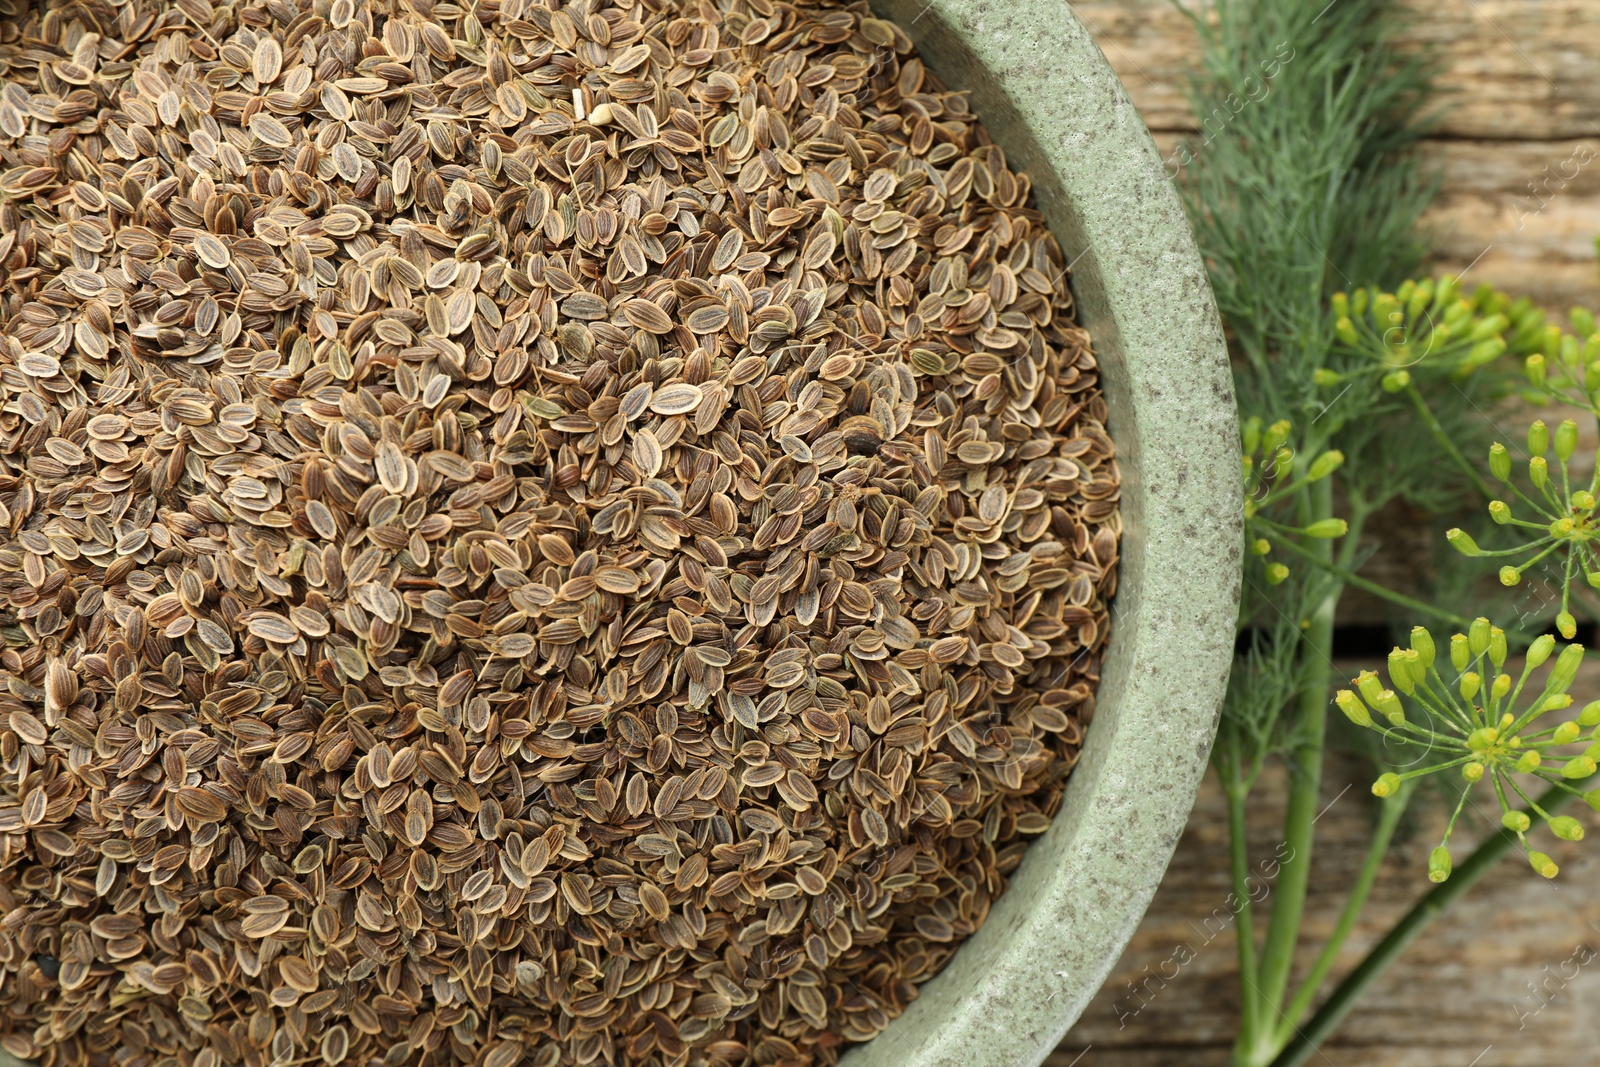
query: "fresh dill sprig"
1305, 181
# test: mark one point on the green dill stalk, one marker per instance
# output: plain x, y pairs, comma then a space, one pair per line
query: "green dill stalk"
1388, 818
1237, 789
1305, 781
1305, 184
1302, 1041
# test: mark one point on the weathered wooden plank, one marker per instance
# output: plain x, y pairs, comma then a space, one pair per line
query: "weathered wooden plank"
1521, 216
1515, 70
1520, 139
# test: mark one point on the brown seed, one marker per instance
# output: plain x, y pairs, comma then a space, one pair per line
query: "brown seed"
471, 534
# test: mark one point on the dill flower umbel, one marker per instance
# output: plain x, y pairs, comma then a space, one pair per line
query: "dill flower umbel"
1566, 367
1485, 725
1433, 322
1273, 472
1565, 520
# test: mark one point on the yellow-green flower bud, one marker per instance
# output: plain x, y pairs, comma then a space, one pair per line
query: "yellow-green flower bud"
1583, 500
1472, 772
1250, 434
1566, 668
1538, 438
1533, 367
1483, 738
1448, 291
1395, 381
1478, 635
1500, 687
1278, 433
1325, 464
1566, 733
1276, 573
1489, 326
1540, 650
1516, 821
1402, 671
1341, 303
1462, 542
1386, 310
1370, 685
1592, 798
1539, 472
1500, 461
1567, 828
1471, 682
1543, 864
1499, 511
1590, 715
1421, 297
1261, 546
1353, 708
1484, 352
1510, 576
1555, 702
1282, 462
1567, 625
1359, 300
1578, 767
1548, 339
1563, 346
1387, 785
1439, 864
1582, 321
1324, 378
1388, 705
1422, 645
1497, 646
1347, 331
1566, 440
1460, 653
1529, 762
1324, 529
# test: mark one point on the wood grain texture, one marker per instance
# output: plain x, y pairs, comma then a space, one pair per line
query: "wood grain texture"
1518, 146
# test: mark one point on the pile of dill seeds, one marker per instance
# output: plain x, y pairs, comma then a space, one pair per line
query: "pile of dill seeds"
530, 533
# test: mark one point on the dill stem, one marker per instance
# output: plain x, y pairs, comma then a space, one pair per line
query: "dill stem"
1351, 578
1244, 929
1304, 1044
1388, 818
1305, 780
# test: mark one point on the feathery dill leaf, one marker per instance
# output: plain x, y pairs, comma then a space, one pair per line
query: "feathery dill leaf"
1306, 181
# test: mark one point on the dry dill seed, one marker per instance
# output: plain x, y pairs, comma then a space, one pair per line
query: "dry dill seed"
535, 534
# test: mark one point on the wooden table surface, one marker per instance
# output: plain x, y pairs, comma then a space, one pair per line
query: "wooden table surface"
1510, 976
1519, 143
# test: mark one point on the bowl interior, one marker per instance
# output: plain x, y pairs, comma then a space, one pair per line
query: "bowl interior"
1048, 96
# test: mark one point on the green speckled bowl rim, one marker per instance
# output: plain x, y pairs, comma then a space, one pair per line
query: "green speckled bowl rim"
1048, 96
